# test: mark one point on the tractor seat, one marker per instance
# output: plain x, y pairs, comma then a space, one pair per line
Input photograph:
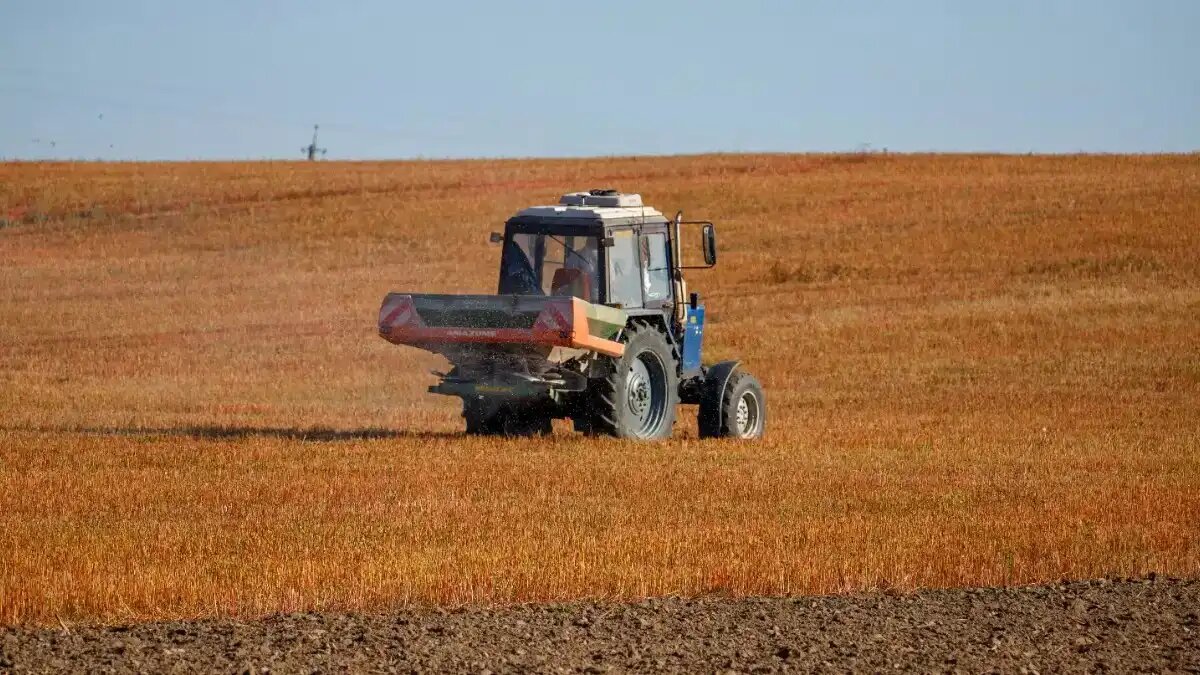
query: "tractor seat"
571, 282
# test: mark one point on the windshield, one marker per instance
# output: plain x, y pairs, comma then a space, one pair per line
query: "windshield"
550, 264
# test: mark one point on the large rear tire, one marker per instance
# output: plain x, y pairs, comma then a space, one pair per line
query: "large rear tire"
638, 396
488, 418
518, 420
482, 417
740, 412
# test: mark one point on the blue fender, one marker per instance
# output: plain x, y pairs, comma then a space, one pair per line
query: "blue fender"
716, 377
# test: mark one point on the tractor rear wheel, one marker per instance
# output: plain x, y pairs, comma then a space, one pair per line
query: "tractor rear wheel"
483, 418
486, 418
638, 396
520, 420
740, 412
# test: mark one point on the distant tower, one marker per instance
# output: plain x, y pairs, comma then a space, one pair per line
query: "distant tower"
311, 149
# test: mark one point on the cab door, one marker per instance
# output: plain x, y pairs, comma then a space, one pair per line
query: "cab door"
655, 265
624, 287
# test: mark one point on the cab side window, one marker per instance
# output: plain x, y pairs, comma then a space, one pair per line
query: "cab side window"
656, 269
624, 271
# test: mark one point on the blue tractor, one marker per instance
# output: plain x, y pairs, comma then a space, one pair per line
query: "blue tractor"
592, 322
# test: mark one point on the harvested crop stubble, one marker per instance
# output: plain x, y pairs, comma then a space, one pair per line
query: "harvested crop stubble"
981, 370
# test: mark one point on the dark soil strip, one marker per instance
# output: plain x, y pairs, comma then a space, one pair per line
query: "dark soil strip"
1145, 625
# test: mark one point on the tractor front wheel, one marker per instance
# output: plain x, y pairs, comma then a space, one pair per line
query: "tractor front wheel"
739, 411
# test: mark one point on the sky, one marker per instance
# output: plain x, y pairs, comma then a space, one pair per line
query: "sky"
134, 79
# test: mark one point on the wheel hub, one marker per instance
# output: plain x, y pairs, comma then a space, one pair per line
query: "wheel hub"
746, 415
639, 394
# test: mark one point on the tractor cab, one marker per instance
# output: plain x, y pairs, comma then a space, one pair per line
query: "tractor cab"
601, 246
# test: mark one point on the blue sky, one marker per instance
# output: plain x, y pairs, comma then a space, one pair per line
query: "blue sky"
126, 79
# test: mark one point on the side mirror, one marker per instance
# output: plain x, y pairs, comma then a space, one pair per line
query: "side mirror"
710, 244
496, 238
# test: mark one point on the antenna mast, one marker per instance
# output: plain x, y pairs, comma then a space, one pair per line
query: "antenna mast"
311, 149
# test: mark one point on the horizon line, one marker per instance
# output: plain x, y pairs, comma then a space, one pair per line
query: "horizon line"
882, 152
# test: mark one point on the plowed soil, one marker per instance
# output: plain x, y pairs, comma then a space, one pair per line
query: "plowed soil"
1143, 625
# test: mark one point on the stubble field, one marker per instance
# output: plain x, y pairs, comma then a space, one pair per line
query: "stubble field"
980, 370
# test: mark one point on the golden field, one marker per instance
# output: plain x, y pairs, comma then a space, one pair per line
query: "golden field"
981, 370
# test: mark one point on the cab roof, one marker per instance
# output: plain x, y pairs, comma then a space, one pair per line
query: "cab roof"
592, 212
594, 207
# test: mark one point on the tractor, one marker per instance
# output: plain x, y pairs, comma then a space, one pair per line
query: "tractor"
592, 321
